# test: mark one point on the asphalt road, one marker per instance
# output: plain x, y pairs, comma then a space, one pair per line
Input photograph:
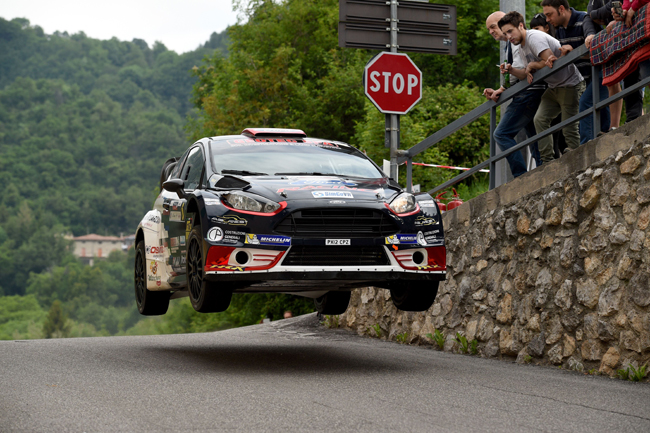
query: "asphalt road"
294, 375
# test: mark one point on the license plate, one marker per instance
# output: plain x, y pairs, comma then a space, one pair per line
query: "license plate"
337, 241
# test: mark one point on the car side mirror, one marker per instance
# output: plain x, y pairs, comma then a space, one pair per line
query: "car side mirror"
175, 185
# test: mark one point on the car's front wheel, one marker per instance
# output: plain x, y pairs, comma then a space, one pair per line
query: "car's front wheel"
332, 303
149, 303
414, 298
205, 296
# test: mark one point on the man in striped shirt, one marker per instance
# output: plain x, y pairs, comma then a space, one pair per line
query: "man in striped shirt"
572, 29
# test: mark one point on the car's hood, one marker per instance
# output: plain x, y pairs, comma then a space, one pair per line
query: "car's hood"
322, 187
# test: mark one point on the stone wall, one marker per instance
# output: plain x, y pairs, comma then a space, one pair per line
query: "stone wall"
551, 268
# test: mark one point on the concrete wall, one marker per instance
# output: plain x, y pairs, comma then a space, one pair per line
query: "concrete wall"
551, 268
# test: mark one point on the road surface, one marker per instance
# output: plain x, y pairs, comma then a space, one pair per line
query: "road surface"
294, 376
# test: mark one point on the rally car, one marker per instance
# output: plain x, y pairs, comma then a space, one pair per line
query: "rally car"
272, 210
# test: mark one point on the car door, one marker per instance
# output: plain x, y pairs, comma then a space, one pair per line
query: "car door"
180, 223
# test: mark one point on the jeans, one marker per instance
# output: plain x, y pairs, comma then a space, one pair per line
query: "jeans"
518, 116
559, 99
587, 101
634, 101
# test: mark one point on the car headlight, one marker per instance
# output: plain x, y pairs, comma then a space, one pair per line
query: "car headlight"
404, 203
245, 202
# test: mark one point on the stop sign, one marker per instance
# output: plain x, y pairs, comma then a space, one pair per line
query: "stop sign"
392, 82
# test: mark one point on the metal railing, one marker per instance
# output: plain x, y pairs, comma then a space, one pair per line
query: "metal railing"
491, 107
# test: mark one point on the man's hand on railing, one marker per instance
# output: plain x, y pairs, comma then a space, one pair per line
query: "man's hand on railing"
610, 26
588, 40
550, 60
565, 49
492, 94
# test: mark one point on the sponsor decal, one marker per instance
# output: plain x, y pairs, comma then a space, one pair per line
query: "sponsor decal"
152, 278
431, 232
235, 232
183, 260
427, 203
176, 204
215, 234
154, 219
332, 194
421, 239
227, 267
154, 267
188, 228
322, 182
337, 241
149, 225
182, 240
402, 239
176, 216
231, 220
174, 242
319, 187
212, 201
267, 240
425, 221
155, 250
158, 283
337, 201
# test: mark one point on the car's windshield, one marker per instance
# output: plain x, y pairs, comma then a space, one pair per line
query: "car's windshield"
291, 158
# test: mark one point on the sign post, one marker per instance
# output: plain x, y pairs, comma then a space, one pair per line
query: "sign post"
391, 80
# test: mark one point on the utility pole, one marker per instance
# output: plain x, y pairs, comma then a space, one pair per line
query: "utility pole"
394, 120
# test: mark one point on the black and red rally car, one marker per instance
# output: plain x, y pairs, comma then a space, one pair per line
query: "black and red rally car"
272, 210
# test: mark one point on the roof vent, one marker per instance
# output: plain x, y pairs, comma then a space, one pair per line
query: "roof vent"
273, 132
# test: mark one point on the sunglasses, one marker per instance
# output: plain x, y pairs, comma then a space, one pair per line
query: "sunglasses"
540, 16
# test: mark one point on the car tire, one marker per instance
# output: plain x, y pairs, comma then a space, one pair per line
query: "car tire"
332, 303
149, 303
206, 297
414, 298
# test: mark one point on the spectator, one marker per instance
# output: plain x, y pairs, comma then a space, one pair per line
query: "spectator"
633, 101
537, 49
559, 144
288, 314
573, 29
600, 13
521, 111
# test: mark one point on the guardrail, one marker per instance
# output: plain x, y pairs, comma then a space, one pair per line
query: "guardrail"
491, 107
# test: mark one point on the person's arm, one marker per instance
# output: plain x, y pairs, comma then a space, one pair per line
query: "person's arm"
588, 27
519, 73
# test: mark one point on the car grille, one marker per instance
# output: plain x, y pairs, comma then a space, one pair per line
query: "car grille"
337, 223
336, 256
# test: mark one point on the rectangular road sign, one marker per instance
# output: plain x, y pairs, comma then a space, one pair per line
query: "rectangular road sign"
370, 37
421, 27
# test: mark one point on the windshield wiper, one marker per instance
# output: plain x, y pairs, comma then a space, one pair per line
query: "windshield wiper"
243, 172
307, 173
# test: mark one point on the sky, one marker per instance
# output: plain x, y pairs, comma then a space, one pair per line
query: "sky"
182, 25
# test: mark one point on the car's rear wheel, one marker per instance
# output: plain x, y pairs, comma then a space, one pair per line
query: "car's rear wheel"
150, 303
414, 298
332, 303
206, 297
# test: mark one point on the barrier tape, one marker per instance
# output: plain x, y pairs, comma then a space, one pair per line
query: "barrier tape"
449, 167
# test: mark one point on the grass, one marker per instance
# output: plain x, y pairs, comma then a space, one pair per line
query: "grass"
463, 344
402, 338
377, 329
633, 374
438, 337
332, 321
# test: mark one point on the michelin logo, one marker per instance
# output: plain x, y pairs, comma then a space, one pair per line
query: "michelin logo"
252, 239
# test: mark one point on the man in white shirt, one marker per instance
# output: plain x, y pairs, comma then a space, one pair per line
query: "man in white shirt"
519, 114
538, 49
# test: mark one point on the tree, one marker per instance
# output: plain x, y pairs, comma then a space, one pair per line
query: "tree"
56, 324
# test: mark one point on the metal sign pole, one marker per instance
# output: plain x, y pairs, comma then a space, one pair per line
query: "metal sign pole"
394, 133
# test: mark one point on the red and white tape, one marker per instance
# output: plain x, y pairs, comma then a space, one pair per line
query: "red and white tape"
449, 167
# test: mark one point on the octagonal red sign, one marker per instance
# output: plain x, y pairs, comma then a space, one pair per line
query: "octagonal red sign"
393, 83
